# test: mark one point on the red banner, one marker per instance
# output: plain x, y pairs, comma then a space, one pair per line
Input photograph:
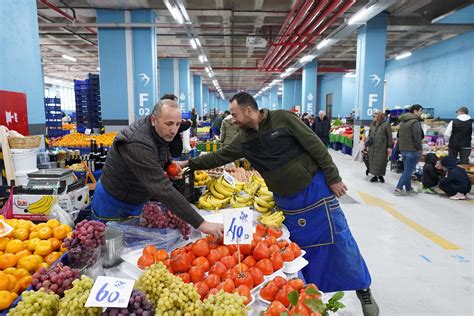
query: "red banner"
13, 111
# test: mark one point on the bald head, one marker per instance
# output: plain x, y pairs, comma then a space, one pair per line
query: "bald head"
164, 105
166, 119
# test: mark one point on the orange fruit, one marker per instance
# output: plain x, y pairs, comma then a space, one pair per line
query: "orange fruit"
32, 244
7, 260
14, 246
4, 282
29, 263
60, 232
24, 224
55, 243
53, 223
33, 235
45, 233
20, 273
21, 233
43, 248
21, 254
6, 299
149, 250
3, 243
44, 265
39, 226
52, 257
145, 261
25, 281
10, 270
11, 282
39, 258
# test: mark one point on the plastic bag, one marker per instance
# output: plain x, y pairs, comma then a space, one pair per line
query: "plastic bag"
136, 237
61, 215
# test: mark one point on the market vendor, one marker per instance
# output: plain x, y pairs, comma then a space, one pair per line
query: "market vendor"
305, 181
134, 171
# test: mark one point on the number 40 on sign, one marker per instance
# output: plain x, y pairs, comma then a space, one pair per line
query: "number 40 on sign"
238, 226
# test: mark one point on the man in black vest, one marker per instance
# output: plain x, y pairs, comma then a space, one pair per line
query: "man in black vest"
459, 132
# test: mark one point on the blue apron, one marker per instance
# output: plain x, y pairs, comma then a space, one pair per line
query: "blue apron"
107, 208
316, 223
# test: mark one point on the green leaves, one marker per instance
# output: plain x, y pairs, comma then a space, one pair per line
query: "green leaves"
333, 304
293, 297
316, 305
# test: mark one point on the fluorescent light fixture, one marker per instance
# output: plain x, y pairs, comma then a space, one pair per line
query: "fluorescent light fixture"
307, 58
280, 88
198, 42
183, 11
361, 16
403, 55
279, 93
290, 69
208, 70
98, 68
175, 13
284, 75
350, 75
67, 57
193, 43
202, 58
215, 82
323, 43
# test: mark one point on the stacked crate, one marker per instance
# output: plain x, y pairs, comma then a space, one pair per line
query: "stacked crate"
52, 107
88, 108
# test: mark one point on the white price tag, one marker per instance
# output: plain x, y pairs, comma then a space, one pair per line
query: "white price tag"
110, 292
5, 229
238, 226
230, 179
88, 131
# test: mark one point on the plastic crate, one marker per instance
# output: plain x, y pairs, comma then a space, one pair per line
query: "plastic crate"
52, 100
346, 150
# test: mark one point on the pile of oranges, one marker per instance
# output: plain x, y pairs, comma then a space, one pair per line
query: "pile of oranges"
82, 140
26, 249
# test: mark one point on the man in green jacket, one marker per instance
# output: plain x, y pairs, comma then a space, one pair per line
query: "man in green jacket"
229, 129
305, 181
410, 138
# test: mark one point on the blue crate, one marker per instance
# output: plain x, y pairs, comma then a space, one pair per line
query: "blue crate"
346, 150
54, 116
52, 100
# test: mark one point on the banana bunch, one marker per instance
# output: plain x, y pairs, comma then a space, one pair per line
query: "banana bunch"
263, 203
218, 195
200, 178
272, 219
238, 200
42, 206
209, 202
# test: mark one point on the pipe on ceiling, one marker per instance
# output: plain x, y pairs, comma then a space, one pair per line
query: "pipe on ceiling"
64, 14
320, 69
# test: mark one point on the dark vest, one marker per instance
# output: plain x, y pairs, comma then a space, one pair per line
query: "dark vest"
461, 134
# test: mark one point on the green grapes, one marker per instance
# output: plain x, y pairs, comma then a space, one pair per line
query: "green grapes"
37, 303
224, 304
75, 298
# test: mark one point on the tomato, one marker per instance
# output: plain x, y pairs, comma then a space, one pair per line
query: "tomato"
167, 263
178, 251
149, 250
214, 256
246, 249
265, 265
188, 247
202, 262
242, 267
277, 261
213, 291
180, 263
249, 261
212, 280
283, 243
299, 310
202, 289
196, 274
229, 261
191, 257
295, 249
244, 278
212, 241
229, 274
282, 294
227, 285
245, 292
270, 241
145, 261
274, 248
269, 291
160, 255
201, 248
287, 254
261, 251
257, 237
185, 277
275, 309
236, 256
218, 268
304, 296
275, 232
296, 283
232, 249
261, 230
257, 275
173, 170
224, 251
280, 281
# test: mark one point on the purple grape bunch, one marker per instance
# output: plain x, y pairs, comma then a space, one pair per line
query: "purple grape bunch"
153, 216
138, 305
57, 279
85, 242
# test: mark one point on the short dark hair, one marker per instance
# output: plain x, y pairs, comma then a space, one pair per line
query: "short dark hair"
244, 99
415, 107
169, 96
226, 113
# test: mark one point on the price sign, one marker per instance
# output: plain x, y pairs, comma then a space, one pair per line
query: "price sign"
238, 226
88, 131
110, 292
230, 179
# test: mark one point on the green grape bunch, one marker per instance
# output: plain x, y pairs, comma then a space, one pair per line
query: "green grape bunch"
75, 298
36, 303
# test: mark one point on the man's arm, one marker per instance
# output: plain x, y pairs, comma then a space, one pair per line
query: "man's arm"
388, 134
417, 133
223, 130
449, 130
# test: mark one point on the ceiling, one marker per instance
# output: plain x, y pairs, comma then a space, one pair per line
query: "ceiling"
223, 27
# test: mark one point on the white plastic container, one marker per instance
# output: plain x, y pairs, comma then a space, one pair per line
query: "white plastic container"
22, 176
24, 159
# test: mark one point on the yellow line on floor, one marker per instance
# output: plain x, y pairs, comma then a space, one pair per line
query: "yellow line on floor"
437, 239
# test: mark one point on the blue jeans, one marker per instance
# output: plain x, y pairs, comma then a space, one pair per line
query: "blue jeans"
410, 159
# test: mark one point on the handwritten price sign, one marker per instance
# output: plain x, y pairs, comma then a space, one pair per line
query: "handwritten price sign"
110, 292
238, 226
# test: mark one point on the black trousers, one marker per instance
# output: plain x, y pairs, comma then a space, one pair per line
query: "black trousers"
464, 153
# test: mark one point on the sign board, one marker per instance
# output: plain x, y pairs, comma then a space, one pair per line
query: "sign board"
110, 292
238, 226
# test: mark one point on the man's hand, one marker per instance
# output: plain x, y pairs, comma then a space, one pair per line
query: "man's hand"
389, 152
183, 164
214, 229
338, 188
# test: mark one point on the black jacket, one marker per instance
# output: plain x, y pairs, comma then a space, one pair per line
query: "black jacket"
430, 176
461, 134
321, 128
456, 177
176, 145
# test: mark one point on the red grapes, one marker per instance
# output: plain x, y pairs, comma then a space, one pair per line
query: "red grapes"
85, 242
57, 279
155, 217
138, 305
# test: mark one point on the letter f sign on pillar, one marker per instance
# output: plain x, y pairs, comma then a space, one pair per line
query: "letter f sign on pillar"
373, 97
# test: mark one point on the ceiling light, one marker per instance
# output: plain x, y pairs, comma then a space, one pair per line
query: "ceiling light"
215, 82
193, 43
69, 58
280, 88
323, 43
307, 58
279, 93
403, 55
290, 69
350, 75
202, 58
360, 17
98, 68
198, 42
174, 12
183, 11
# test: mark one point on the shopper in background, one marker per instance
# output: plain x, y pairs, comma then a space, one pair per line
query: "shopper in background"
134, 171
456, 183
459, 133
229, 129
321, 127
194, 120
430, 177
176, 145
410, 138
305, 119
216, 125
380, 147
305, 182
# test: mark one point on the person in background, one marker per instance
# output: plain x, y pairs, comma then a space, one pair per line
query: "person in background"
229, 129
410, 138
380, 147
430, 177
216, 125
176, 145
459, 133
305, 183
311, 120
321, 127
305, 119
456, 183
194, 120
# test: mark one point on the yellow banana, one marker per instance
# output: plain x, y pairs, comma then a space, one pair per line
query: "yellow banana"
259, 208
204, 203
262, 202
214, 192
243, 199
267, 198
219, 187
43, 206
226, 184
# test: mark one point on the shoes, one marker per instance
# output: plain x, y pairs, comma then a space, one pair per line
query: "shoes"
400, 192
412, 192
381, 179
374, 179
458, 196
366, 172
369, 306
429, 191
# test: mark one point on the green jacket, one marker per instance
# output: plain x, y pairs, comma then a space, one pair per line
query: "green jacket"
285, 151
228, 131
410, 134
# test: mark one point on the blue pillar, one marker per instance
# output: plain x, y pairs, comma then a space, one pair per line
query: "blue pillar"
280, 101
197, 89
308, 95
273, 98
174, 76
259, 101
370, 66
265, 100
291, 95
212, 102
205, 99
184, 90
20, 63
127, 59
